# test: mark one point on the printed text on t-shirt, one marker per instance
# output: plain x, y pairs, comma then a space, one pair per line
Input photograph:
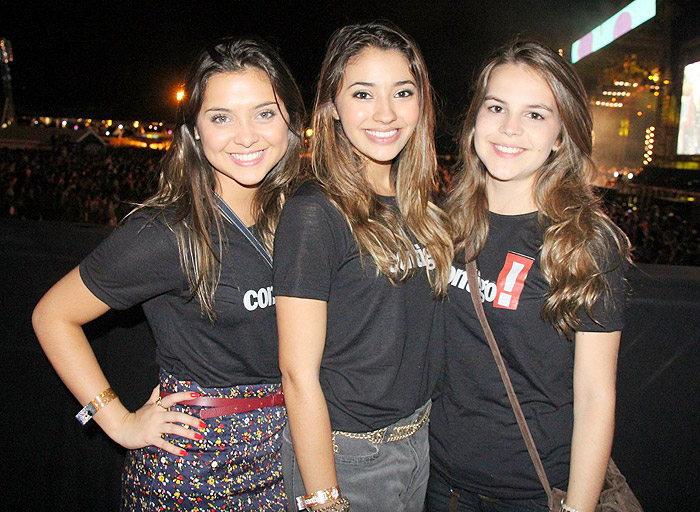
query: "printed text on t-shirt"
505, 292
422, 259
262, 298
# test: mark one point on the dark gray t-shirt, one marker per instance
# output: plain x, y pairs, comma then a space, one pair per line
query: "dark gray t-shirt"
475, 441
383, 348
139, 263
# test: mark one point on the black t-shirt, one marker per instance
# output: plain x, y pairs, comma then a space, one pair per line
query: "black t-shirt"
475, 440
139, 263
383, 348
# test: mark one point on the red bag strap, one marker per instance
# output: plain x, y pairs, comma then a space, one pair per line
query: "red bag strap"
475, 293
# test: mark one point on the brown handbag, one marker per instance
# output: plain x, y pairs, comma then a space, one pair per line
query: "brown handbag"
616, 495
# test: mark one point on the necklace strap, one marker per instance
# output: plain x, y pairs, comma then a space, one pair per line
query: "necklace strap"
230, 216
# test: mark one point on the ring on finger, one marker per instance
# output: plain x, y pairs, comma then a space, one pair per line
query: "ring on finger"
159, 403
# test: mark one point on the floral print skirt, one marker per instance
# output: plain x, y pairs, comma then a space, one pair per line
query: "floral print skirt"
236, 466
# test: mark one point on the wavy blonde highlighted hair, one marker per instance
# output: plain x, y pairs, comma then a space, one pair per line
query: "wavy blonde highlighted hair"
580, 244
381, 231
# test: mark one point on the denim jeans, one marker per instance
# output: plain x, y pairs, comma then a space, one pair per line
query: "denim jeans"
387, 476
443, 498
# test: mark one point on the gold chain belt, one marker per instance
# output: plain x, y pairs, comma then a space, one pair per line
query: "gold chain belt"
377, 436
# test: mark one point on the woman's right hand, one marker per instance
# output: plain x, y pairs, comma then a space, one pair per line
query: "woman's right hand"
146, 426
58, 320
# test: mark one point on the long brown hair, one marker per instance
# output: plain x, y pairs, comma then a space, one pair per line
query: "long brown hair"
187, 180
580, 242
380, 231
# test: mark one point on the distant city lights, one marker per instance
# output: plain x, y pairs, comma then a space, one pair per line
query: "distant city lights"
621, 83
609, 104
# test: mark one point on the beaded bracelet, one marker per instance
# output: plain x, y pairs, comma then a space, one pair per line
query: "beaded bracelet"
94, 405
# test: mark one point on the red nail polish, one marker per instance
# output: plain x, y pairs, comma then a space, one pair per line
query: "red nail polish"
194, 395
202, 424
197, 435
183, 453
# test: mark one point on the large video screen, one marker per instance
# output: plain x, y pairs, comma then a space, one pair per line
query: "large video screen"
689, 126
633, 15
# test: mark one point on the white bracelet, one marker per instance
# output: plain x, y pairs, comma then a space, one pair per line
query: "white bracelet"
566, 508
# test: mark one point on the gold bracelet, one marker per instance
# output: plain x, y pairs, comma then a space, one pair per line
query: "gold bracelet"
340, 505
318, 498
94, 405
329, 495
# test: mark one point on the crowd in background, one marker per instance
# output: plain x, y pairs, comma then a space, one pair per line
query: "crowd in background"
101, 187
75, 186
661, 232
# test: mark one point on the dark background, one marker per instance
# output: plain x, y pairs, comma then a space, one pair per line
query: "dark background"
124, 60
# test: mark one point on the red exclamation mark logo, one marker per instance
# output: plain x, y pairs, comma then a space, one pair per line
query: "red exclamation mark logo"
511, 281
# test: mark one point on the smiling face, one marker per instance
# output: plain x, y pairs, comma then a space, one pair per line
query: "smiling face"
242, 130
378, 106
517, 126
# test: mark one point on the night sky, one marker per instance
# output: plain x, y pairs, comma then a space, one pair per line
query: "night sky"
123, 60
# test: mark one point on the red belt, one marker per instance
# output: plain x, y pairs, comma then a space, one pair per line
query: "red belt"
224, 406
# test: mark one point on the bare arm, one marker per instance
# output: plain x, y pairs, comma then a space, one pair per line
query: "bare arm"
595, 367
57, 321
302, 335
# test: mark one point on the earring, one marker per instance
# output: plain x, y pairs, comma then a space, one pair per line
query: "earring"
196, 136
